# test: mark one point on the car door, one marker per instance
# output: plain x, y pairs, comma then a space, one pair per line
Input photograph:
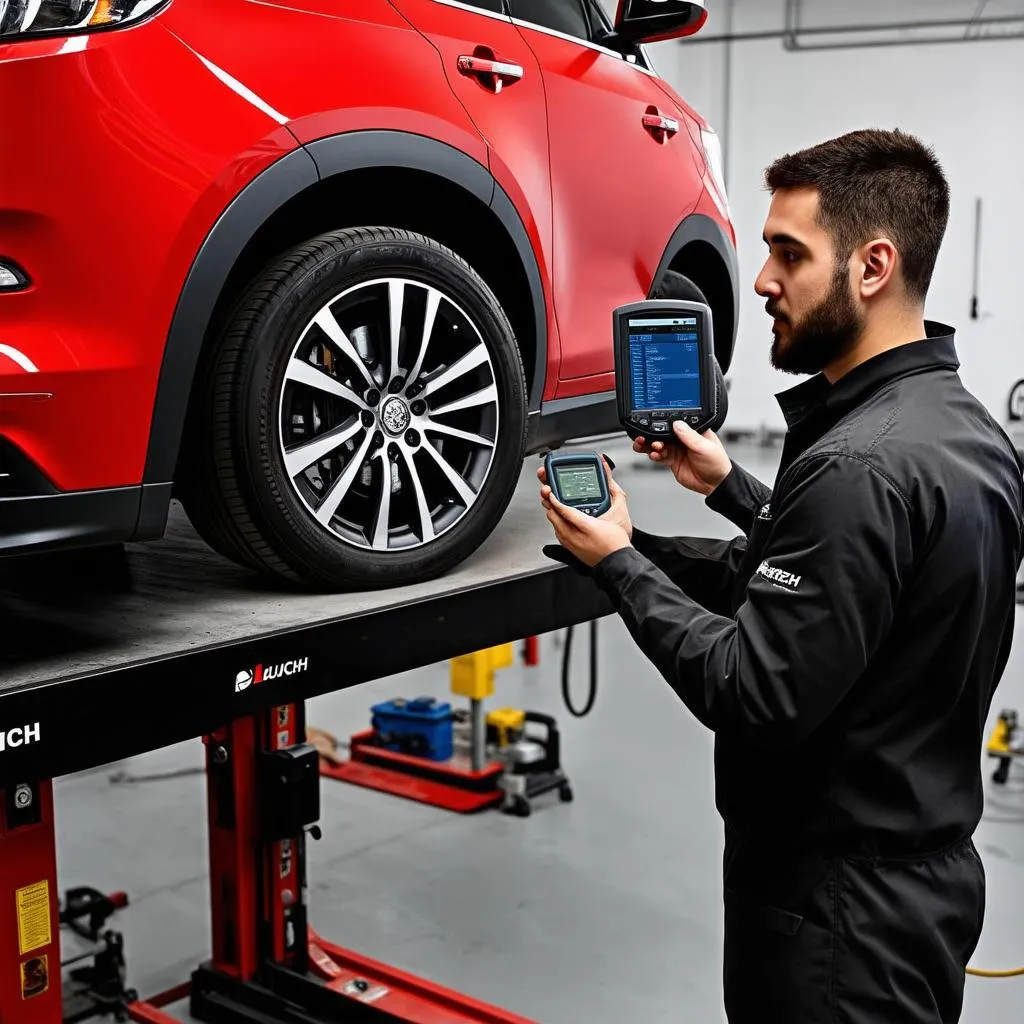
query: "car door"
623, 176
496, 76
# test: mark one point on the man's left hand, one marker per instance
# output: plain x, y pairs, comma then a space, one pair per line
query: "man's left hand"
589, 539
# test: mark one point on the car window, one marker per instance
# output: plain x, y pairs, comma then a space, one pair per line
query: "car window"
566, 16
599, 15
601, 22
496, 6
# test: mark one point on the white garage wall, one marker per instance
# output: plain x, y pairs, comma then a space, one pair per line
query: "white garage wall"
966, 99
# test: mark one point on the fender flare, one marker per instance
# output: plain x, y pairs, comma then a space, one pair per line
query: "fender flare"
699, 227
279, 183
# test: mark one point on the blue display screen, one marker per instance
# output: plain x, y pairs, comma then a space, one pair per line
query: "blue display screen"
664, 360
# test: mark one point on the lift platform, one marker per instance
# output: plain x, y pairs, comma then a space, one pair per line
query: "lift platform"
109, 654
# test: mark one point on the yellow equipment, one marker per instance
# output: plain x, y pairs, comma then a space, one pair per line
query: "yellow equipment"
1004, 745
507, 722
472, 676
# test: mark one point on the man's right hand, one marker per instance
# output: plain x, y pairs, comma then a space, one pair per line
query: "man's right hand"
698, 461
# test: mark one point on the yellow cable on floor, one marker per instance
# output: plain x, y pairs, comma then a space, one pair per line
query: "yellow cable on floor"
979, 973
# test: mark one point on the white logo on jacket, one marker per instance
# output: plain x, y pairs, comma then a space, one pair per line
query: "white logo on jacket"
779, 577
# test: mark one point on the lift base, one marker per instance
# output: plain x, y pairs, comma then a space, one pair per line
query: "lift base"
445, 784
341, 988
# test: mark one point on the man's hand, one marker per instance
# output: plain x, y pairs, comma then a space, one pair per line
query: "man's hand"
698, 461
589, 539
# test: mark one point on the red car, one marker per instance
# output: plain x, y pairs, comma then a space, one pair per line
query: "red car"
326, 270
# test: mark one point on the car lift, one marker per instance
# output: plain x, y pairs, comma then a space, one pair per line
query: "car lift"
81, 669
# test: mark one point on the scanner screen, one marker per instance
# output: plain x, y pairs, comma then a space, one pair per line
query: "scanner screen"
578, 483
664, 362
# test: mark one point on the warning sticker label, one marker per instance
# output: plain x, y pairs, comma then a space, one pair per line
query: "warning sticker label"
35, 976
33, 903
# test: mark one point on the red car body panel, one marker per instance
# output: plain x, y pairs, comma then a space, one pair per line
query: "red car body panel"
579, 386
106, 215
606, 242
153, 130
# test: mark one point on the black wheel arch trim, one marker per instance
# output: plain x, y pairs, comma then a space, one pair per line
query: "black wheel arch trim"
699, 227
337, 154
284, 179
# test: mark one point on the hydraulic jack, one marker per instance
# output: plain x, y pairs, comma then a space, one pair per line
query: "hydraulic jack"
267, 963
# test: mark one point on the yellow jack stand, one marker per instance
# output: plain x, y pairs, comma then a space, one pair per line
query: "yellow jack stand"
472, 676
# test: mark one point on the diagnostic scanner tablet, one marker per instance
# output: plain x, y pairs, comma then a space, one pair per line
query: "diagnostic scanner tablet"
578, 480
665, 368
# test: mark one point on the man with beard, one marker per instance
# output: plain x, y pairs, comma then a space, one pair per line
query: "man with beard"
846, 647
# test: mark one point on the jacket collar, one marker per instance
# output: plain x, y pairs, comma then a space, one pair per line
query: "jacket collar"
936, 351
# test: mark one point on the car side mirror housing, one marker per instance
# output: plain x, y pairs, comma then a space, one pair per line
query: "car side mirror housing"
650, 21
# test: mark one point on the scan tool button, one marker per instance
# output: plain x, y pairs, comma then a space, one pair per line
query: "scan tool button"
660, 427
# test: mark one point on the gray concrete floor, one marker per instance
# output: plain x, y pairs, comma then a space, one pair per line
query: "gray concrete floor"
604, 910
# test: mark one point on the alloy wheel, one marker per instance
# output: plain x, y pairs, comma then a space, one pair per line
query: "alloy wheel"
388, 414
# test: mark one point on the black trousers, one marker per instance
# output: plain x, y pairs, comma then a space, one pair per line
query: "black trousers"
814, 939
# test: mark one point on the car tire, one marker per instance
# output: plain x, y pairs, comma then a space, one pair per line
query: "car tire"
413, 457
673, 285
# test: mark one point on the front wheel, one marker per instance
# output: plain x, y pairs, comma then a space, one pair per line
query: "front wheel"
362, 420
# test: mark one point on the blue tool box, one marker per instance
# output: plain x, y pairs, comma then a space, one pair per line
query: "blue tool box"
420, 727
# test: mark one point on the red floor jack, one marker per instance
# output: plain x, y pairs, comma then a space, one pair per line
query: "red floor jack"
420, 764
462, 783
267, 963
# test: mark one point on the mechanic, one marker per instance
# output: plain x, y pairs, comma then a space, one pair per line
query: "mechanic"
845, 648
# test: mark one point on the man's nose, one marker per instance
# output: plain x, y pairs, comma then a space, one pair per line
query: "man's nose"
765, 286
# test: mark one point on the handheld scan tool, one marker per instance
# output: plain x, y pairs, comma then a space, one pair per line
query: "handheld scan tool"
578, 480
665, 368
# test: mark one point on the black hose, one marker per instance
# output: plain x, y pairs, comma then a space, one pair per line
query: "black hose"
566, 662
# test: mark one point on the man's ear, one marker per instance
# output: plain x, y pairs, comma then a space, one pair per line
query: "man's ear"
879, 262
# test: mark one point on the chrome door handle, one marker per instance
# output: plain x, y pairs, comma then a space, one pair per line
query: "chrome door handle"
499, 71
660, 123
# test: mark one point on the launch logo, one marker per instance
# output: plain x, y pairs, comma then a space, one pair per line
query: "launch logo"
779, 577
265, 673
21, 736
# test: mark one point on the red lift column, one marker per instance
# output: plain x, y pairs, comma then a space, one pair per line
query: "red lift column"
261, 797
264, 797
30, 989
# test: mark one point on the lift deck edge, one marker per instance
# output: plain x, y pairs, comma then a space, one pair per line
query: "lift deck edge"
71, 721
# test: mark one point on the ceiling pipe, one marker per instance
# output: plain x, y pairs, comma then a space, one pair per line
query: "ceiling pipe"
789, 35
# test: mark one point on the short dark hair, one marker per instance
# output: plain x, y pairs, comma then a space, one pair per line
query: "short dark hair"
870, 182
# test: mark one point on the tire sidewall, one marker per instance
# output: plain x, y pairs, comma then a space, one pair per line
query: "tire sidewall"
275, 506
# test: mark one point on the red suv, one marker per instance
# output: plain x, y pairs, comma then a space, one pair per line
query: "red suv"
326, 270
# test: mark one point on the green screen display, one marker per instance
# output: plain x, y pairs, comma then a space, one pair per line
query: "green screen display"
578, 483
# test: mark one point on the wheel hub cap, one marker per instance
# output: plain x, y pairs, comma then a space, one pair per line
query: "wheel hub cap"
394, 414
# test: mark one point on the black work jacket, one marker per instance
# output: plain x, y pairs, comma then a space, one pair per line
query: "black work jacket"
846, 648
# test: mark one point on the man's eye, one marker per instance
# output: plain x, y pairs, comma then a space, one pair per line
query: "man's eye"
789, 256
